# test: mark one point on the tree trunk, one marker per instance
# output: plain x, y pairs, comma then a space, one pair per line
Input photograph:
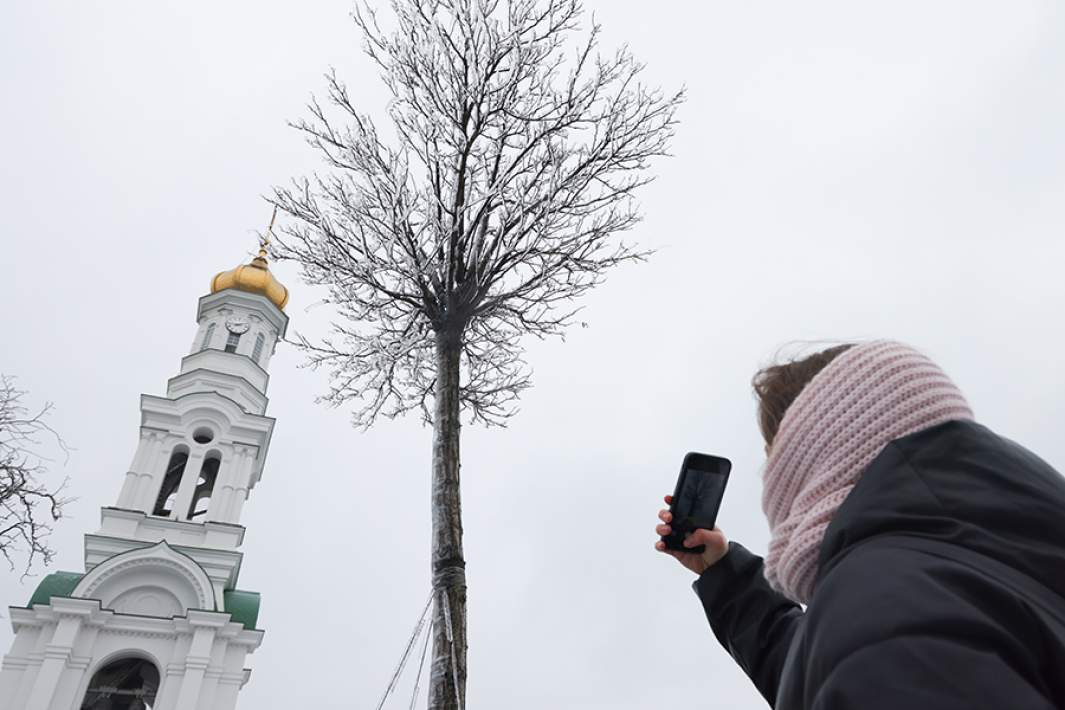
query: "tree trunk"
447, 684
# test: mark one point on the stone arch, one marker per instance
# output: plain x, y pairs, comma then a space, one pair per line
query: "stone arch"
208, 409
151, 581
128, 678
127, 652
201, 417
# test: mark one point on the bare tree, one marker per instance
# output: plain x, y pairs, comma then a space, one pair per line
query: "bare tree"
28, 507
516, 152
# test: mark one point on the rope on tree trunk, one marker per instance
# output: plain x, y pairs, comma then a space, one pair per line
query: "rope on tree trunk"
451, 641
421, 665
406, 653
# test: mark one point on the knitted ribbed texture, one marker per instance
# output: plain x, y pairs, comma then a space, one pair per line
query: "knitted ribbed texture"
869, 395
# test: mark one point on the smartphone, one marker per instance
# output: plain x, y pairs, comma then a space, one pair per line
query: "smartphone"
697, 498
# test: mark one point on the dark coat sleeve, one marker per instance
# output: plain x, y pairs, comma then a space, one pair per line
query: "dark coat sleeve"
754, 622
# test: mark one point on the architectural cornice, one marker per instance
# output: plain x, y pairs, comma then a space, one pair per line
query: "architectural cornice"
209, 353
109, 621
183, 526
262, 304
176, 405
249, 389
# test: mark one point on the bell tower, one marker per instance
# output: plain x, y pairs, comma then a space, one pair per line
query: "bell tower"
157, 621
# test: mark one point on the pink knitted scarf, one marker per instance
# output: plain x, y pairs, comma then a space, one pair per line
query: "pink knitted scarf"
869, 395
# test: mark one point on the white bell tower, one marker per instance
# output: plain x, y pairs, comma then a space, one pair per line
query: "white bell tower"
156, 621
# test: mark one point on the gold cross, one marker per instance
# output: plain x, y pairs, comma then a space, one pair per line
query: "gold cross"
265, 241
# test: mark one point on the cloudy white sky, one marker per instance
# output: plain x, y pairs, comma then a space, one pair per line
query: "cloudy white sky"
842, 170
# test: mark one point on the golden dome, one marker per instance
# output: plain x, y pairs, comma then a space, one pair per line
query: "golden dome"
253, 278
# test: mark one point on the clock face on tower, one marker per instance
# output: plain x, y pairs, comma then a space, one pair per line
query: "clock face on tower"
237, 326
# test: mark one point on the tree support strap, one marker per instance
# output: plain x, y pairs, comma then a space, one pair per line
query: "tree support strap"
450, 573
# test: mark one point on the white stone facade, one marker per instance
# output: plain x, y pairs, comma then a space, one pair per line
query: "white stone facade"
160, 579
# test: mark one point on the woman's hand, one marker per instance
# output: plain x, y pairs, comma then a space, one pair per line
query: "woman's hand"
715, 541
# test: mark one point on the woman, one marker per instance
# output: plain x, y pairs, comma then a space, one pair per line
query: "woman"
929, 551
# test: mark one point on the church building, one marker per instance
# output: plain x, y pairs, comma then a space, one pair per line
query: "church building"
157, 621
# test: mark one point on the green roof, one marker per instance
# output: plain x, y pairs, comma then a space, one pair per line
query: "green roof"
243, 607
57, 584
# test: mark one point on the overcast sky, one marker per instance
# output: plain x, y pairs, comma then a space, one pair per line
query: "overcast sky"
842, 170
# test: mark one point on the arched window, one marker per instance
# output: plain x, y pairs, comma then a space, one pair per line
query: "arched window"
258, 351
164, 503
124, 684
201, 498
207, 337
232, 341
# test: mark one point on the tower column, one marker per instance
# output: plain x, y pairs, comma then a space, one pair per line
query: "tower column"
188, 486
153, 470
232, 463
129, 485
241, 483
140, 469
151, 476
198, 658
57, 652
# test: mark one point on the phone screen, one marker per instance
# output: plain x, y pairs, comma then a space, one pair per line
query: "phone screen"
700, 497
697, 497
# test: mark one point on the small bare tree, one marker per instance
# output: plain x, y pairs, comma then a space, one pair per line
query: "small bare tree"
517, 149
28, 507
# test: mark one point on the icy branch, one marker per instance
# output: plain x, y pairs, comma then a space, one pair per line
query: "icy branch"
519, 146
